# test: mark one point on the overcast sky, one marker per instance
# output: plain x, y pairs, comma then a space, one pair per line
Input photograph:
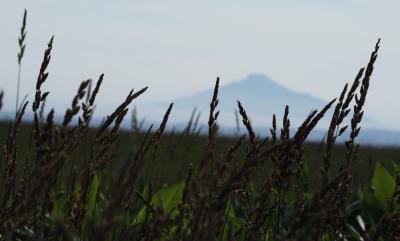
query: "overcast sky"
179, 47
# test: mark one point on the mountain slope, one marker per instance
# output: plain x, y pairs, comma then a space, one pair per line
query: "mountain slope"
260, 95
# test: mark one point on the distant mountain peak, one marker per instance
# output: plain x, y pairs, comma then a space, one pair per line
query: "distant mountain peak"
258, 78
260, 95
258, 84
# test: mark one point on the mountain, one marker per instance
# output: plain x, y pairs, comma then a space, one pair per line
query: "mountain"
260, 95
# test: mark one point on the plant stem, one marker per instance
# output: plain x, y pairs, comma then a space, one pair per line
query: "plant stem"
18, 84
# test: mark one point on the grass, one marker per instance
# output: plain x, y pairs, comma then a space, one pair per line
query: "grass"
67, 181
177, 152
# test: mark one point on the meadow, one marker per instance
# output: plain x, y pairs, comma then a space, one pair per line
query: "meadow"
69, 180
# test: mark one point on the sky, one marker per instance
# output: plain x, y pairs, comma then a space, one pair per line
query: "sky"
179, 47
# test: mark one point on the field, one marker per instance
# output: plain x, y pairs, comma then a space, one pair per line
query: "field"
178, 151
70, 181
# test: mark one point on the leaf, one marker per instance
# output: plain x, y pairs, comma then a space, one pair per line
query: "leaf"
236, 222
372, 209
383, 184
59, 204
169, 197
396, 168
92, 197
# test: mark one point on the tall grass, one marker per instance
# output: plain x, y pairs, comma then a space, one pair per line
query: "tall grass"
22, 46
50, 194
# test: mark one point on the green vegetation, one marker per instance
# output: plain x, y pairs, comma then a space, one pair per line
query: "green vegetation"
66, 181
